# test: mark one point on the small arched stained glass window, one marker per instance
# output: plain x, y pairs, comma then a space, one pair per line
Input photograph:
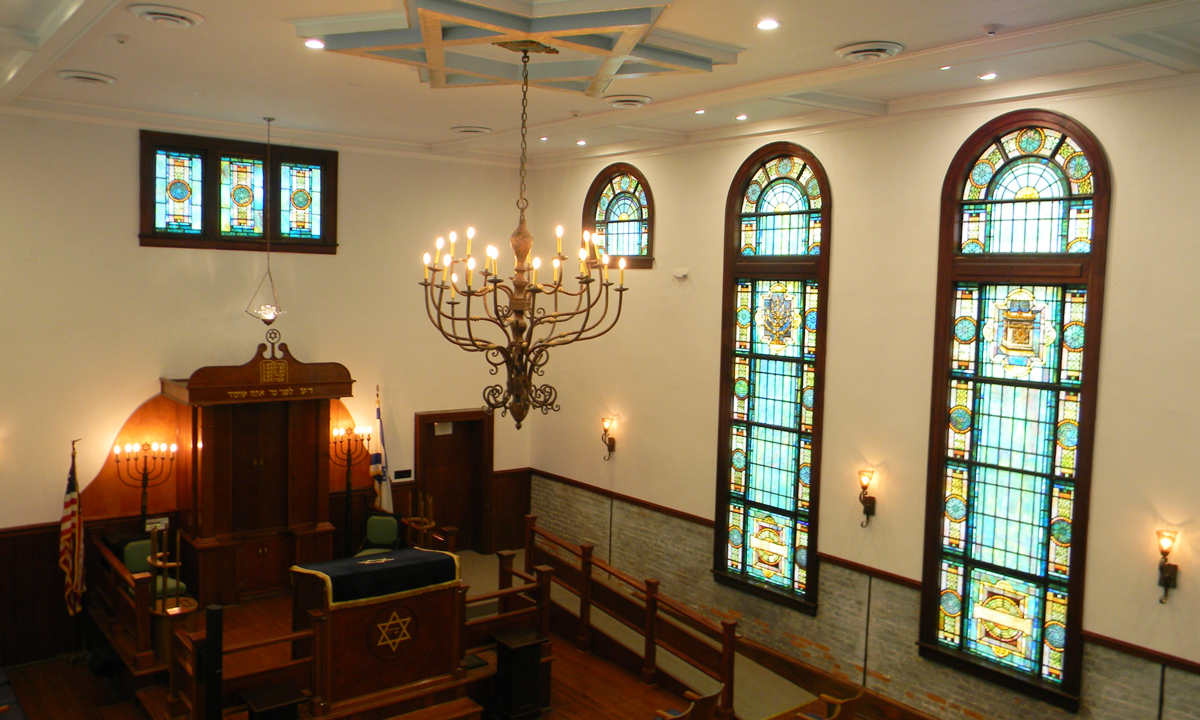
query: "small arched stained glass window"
619, 208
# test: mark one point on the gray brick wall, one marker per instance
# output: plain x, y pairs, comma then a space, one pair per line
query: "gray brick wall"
648, 544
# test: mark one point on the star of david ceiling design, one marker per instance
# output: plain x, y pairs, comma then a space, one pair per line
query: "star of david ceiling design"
452, 43
394, 631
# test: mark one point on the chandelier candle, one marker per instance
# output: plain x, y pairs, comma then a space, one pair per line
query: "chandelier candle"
508, 326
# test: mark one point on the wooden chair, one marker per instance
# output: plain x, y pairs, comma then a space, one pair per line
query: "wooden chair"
842, 709
703, 707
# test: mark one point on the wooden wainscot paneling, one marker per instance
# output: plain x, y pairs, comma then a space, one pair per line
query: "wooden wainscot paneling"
34, 624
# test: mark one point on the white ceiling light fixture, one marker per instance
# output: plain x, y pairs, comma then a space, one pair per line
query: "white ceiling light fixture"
471, 130
315, 43
543, 138
988, 76
166, 15
699, 112
741, 117
768, 24
869, 51
581, 142
944, 67
86, 77
626, 102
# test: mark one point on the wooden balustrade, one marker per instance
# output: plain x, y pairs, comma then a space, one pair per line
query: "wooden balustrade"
525, 605
639, 605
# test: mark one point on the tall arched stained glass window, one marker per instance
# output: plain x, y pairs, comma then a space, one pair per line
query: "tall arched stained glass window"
776, 269
1025, 216
620, 207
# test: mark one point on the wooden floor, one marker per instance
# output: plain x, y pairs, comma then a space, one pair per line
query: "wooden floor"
583, 687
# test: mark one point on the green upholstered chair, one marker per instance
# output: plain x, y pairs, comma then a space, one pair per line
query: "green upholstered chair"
136, 558
383, 535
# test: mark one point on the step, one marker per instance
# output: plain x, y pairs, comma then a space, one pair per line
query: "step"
461, 709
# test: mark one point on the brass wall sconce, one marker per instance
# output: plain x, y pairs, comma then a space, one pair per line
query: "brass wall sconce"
1168, 574
609, 441
868, 502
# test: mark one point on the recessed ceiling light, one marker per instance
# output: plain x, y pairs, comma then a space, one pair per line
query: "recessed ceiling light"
470, 130
699, 112
988, 76
627, 101
543, 138
768, 24
315, 43
581, 142
869, 51
944, 67
740, 117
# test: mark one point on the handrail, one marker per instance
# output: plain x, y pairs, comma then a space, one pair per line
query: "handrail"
500, 593
662, 621
255, 644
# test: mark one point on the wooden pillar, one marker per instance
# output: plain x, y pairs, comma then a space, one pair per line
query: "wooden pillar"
321, 680
460, 637
583, 639
505, 580
728, 654
650, 649
530, 536
214, 660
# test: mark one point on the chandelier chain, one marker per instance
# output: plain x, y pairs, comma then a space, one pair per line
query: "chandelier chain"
267, 216
522, 203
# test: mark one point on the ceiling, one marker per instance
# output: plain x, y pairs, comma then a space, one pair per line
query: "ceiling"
247, 60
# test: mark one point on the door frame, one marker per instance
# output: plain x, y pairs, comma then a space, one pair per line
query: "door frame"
421, 420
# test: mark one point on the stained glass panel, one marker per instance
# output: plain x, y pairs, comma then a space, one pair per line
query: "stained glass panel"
623, 216
1029, 193
300, 201
781, 210
737, 535
241, 196
1011, 432
950, 604
178, 191
769, 546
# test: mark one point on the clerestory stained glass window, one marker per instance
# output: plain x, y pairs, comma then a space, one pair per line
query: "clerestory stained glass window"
241, 196
178, 192
619, 207
770, 418
300, 201
1002, 579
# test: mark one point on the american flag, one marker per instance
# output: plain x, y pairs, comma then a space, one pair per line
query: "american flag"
70, 542
379, 466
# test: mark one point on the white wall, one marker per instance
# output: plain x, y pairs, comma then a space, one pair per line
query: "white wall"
659, 369
91, 320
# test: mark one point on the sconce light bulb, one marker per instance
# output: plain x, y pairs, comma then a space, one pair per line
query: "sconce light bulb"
621, 263
128, 448
174, 447
558, 231
1166, 541
537, 263
492, 252
607, 423
453, 236
154, 447
604, 259
116, 449
470, 233
865, 477
583, 253
586, 235
556, 263
440, 242
471, 263
425, 258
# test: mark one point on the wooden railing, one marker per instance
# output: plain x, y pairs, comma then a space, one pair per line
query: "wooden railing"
187, 694
639, 605
127, 597
525, 605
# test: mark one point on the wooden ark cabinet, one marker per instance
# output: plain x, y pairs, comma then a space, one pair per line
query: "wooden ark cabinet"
256, 500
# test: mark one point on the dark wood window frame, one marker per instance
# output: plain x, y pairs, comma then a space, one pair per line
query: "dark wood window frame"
770, 267
1080, 269
210, 237
632, 262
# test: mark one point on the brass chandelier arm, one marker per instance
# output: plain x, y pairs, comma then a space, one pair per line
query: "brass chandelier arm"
469, 343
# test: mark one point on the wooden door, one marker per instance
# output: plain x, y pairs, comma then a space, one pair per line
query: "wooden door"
453, 465
259, 465
263, 565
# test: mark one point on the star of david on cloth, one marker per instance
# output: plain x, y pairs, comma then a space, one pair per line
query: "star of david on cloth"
375, 561
451, 42
394, 631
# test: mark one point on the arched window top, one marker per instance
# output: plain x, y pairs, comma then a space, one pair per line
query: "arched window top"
1029, 190
619, 206
781, 208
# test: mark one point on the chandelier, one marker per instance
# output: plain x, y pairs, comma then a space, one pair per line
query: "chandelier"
516, 322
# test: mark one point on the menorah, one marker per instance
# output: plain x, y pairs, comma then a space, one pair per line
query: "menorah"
147, 465
347, 449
